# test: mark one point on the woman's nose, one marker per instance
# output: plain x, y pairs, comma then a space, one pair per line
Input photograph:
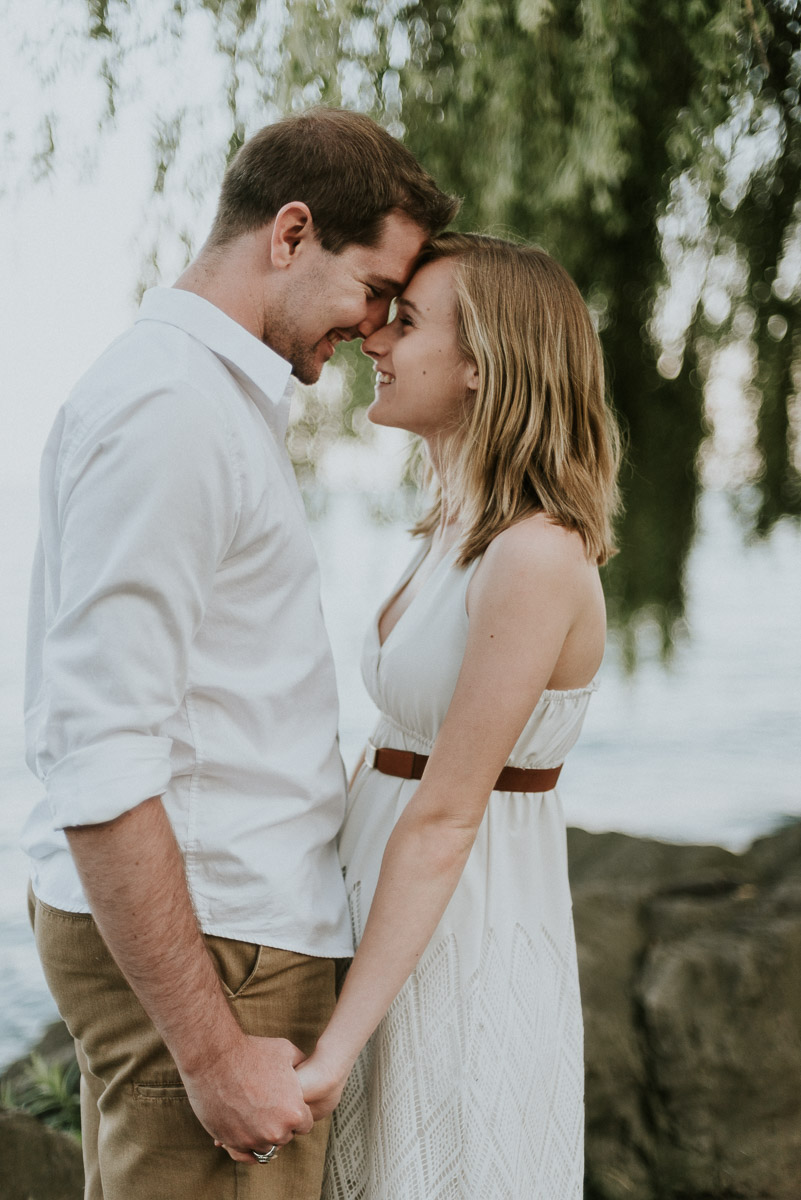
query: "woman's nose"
374, 345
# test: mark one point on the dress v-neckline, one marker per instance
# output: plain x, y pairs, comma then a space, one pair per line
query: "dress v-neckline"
405, 580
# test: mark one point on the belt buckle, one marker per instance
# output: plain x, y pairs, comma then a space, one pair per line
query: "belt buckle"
370, 752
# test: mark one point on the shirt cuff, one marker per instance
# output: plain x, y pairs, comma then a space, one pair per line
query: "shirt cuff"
100, 782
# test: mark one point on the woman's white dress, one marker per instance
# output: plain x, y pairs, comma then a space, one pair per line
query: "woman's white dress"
472, 1086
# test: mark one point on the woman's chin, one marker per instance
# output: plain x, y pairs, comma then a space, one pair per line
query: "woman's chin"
377, 415
381, 412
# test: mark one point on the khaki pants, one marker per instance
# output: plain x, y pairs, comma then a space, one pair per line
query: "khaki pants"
141, 1139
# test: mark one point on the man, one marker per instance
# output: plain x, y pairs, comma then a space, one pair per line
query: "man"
181, 709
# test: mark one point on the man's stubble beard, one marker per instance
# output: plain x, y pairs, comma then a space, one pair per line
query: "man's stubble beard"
305, 366
302, 358
281, 336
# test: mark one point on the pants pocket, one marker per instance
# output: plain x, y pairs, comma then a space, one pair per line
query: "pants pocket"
160, 1094
236, 963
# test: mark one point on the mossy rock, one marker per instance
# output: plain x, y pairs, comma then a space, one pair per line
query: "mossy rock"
37, 1162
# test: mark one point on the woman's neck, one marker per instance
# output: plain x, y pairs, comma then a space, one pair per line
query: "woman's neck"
448, 530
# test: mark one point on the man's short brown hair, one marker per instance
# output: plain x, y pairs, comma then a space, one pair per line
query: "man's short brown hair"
344, 166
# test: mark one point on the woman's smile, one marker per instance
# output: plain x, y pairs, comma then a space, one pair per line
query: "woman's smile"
433, 381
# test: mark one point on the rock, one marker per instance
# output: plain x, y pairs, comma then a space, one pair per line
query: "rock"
720, 998
690, 963
36, 1162
610, 944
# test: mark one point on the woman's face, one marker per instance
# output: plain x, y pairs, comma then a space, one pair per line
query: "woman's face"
422, 382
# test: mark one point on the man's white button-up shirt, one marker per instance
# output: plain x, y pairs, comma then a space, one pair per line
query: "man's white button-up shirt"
176, 641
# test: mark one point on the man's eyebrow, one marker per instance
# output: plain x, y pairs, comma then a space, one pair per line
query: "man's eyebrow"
386, 285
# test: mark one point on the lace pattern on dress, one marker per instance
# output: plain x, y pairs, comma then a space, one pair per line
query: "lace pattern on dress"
469, 1091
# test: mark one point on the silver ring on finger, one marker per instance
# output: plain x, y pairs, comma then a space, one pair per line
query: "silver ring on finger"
263, 1158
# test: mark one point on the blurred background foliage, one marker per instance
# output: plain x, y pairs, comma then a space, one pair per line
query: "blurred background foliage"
655, 149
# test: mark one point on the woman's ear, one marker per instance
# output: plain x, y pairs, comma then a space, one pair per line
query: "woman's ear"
292, 227
472, 377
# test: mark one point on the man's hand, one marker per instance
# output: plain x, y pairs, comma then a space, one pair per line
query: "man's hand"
251, 1098
243, 1089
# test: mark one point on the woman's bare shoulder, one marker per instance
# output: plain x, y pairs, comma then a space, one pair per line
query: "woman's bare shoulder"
538, 544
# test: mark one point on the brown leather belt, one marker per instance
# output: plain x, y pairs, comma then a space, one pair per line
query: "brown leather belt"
405, 764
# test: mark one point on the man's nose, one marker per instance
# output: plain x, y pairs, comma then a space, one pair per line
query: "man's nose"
377, 315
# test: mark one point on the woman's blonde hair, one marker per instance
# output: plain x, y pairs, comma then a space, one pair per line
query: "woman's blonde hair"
540, 436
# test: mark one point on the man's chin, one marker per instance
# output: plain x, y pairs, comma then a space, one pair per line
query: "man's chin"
308, 367
307, 372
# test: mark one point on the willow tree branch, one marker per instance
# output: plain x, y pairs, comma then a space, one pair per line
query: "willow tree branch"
763, 54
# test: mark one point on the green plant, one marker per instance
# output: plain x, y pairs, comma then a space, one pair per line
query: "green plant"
47, 1091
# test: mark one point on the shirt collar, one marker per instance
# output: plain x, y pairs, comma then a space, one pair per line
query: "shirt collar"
263, 374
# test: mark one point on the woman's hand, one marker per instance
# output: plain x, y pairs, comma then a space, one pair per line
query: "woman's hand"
322, 1084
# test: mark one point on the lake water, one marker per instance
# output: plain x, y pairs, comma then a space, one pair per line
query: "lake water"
707, 748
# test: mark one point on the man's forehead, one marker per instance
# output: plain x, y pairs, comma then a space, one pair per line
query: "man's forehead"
399, 226
394, 256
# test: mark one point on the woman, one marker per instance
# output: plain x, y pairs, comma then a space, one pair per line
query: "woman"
484, 659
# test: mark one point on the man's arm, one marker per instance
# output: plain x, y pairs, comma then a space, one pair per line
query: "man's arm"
147, 506
242, 1088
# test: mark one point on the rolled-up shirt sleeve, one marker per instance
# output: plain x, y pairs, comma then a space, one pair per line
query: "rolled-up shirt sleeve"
144, 509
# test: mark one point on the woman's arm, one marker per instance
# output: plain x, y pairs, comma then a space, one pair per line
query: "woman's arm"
526, 597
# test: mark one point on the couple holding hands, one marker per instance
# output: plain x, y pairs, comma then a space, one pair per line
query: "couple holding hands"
200, 874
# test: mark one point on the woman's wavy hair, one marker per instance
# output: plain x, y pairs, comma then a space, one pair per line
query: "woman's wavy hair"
540, 436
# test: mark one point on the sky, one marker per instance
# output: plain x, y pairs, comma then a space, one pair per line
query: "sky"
69, 272
68, 255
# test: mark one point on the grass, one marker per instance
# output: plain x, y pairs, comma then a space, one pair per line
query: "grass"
48, 1092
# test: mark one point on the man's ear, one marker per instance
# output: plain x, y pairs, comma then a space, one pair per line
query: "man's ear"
292, 227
